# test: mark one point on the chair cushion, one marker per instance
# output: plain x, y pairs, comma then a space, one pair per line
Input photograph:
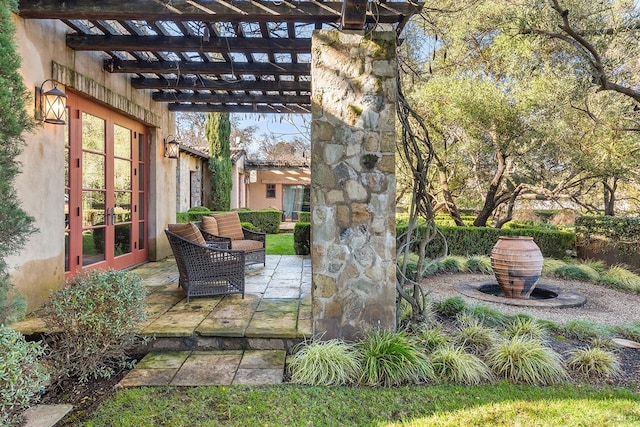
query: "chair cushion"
210, 225
229, 225
189, 232
245, 245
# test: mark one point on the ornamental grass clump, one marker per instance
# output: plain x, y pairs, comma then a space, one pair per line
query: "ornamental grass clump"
577, 272
486, 315
22, 375
454, 364
390, 359
594, 362
584, 330
450, 307
550, 265
97, 315
432, 339
323, 363
474, 337
479, 264
620, 278
453, 264
525, 360
524, 326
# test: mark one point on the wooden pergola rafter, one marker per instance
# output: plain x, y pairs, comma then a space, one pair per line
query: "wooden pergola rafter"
215, 55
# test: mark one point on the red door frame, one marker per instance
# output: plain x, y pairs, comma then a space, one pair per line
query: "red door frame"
139, 192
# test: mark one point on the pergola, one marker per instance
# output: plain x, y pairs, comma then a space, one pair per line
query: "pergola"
237, 56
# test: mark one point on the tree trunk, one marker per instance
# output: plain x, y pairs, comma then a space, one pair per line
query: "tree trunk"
450, 204
490, 198
610, 195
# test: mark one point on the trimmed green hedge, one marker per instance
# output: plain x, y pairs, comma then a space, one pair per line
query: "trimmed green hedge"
469, 241
267, 220
304, 216
302, 238
622, 233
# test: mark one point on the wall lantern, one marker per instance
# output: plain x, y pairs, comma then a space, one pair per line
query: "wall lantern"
171, 147
51, 106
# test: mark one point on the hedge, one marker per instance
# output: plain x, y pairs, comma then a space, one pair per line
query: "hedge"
267, 220
304, 216
467, 241
622, 233
302, 238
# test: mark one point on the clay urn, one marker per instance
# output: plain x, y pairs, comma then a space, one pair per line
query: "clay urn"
517, 264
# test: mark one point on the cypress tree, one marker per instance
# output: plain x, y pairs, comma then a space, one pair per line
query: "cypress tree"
218, 130
15, 224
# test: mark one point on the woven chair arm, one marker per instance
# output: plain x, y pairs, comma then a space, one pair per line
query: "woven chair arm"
254, 235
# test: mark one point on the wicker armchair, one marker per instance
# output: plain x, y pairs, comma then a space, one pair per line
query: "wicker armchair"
207, 270
253, 244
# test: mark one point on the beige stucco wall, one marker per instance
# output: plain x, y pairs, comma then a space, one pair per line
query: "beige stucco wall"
39, 267
257, 191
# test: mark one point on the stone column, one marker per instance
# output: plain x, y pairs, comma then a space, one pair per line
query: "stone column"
353, 182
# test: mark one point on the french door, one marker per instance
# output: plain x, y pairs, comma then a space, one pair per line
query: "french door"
106, 184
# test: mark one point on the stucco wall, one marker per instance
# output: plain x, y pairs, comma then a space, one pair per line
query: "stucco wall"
39, 268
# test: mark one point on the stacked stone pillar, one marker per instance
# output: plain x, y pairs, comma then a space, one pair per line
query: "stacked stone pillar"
353, 182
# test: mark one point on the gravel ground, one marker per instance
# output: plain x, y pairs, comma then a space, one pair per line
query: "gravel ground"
604, 306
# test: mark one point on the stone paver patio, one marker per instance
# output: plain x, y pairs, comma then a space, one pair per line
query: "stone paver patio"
219, 340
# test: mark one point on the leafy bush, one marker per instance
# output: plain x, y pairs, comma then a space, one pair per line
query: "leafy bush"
456, 365
621, 233
22, 376
249, 226
620, 278
267, 220
304, 216
97, 314
450, 306
594, 362
524, 360
302, 238
390, 358
196, 213
323, 363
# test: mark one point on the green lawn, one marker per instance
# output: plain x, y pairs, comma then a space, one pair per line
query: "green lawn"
501, 404
280, 244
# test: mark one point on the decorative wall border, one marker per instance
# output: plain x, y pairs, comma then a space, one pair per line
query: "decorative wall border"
90, 87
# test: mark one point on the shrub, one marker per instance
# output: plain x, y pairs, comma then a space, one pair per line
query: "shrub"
97, 314
323, 363
390, 358
267, 220
479, 264
621, 233
620, 278
22, 376
456, 365
594, 362
196, 213
451, 306
523, 360
249, 226
304, 216
302, 238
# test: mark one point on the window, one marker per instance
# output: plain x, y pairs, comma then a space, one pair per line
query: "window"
271, 191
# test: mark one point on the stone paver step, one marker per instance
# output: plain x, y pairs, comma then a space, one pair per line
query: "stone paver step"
202, 368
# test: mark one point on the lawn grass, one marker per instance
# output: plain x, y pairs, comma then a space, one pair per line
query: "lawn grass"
280, 244
500, 404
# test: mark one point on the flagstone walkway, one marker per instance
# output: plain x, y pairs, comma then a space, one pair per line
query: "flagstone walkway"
219, 340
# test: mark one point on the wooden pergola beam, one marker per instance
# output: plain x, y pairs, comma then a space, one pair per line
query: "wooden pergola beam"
230, 108
219, 98
82, 42
207, 10
229, 85
190, 67
354, 14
